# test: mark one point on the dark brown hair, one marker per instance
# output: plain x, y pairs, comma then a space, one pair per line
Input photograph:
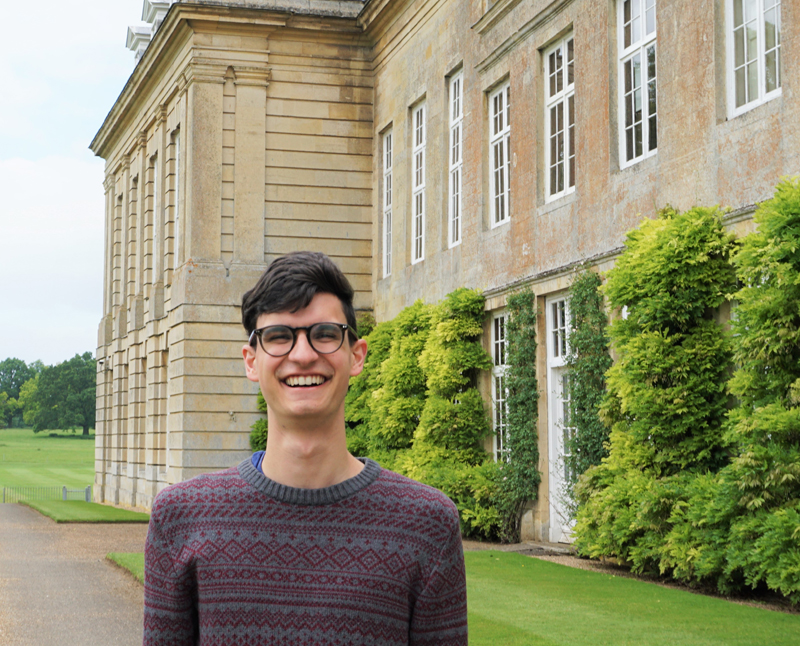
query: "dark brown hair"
289, 284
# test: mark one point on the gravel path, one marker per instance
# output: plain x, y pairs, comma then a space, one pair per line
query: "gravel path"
56, 586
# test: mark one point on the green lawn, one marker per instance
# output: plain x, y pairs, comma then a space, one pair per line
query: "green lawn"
77, 511
131, 561
516, 600
38, 460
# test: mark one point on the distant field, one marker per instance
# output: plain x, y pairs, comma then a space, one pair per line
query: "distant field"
38, 460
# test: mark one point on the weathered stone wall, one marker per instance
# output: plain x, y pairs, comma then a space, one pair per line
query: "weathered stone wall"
241, 135
704, 157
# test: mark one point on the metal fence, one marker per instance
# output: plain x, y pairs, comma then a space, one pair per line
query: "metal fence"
17, 494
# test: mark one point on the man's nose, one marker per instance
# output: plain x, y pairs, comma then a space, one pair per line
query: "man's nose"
302, 351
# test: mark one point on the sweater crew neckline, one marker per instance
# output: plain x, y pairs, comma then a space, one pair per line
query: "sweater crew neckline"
296, 496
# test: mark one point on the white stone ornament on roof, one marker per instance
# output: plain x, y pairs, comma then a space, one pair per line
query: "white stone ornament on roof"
153, 14
138, 39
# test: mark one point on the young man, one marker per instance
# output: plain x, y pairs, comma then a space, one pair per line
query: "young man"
303, 543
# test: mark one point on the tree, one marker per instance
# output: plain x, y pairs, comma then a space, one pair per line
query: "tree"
13, 373
65, 395
28, 400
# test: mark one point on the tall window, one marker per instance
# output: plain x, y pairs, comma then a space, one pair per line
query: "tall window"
560, 118
637, 73
455, 156
499, 406
387, 204
558, 328
499, 143
418, 186
754, 53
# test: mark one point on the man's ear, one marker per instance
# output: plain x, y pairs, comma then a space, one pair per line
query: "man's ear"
359, 350
250, 366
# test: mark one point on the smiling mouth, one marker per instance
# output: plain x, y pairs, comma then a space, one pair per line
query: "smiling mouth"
304, 381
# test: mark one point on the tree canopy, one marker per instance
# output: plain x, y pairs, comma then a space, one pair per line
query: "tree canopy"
64, 396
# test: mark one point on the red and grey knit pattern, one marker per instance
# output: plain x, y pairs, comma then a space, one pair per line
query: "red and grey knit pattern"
234, 558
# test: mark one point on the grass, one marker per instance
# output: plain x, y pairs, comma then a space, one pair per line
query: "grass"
40, 460
516, 600
77, 511
131, 561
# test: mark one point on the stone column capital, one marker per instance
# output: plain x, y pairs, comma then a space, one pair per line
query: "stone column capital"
249, 75
205, 71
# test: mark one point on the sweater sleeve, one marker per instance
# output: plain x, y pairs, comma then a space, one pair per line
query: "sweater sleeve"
170, 615
440, 611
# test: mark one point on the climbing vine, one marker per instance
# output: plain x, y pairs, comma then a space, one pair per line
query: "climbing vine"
519, 475
588, 359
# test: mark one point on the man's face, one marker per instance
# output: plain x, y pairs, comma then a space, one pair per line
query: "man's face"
322, 402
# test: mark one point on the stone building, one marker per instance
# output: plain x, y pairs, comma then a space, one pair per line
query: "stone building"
425, 145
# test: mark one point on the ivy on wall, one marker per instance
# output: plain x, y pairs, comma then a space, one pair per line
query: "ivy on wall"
588, 359
519, 475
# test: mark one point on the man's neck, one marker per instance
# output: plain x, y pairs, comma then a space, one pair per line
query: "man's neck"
308, 458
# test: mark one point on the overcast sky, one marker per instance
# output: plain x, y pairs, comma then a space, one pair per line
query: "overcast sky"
62, 65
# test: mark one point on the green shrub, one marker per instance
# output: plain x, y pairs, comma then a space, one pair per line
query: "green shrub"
416, 409
258, 431
666, 400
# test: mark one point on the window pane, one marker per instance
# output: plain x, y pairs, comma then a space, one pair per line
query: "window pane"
750, 9
738, 47
650, 17
652, 142
752, 81
570, 62
752, 42
741, 90
771, 70
770, 30
738, 16
626, 19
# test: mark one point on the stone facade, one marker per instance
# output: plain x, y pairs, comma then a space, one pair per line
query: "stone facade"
293, 119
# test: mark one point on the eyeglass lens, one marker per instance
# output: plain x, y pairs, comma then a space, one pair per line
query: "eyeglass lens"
325, 338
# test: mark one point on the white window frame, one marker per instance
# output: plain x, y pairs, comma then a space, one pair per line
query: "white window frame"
500, 153
455, 156
418, 134
557, 344
560, 118
642, 41
758, 63
499, 389
387, 204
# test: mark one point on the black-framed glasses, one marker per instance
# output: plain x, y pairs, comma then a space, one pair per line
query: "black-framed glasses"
278, 340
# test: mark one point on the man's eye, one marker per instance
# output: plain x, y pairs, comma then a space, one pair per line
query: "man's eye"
276, 336
326, 333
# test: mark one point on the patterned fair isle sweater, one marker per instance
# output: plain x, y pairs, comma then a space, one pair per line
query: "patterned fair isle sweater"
236, 559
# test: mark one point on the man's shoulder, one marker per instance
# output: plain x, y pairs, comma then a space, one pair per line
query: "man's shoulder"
395, 488
199, 489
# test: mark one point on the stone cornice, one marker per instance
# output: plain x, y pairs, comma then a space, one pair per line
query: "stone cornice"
556, 272
330, 17
495, 13
526, 30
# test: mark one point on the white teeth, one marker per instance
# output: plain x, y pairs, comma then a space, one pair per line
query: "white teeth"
310, 380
